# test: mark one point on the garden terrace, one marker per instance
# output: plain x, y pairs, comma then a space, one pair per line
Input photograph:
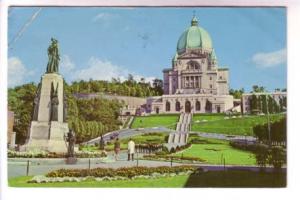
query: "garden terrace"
163, 120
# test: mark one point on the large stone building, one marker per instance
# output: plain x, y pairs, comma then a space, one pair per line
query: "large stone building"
195, 83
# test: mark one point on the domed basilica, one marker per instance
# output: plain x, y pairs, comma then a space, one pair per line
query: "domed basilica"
195, 83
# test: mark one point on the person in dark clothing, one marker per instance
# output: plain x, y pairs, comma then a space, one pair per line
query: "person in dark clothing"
117, 148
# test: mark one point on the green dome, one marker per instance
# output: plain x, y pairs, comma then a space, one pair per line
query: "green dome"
194, 37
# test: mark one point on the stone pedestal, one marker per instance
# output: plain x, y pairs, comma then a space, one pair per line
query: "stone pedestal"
45, 133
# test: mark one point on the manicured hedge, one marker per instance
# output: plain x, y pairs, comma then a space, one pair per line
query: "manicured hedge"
175, 158
128, 172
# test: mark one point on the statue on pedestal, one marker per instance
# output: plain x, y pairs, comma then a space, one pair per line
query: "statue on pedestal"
71, 139
54, 58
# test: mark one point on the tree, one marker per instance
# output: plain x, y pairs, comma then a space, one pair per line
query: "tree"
20, 101
258, 89
237, 94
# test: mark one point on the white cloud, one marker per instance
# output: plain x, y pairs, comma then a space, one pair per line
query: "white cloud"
103, 16
17, 72
97, 69
100, 70
66, 64
270, 59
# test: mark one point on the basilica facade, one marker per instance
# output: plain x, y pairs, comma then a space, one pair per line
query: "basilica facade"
195, 83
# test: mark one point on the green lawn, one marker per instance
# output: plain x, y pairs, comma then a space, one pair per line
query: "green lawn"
213, 153
207, 117
177, 181
168, 121
213, 150
207, 179
232, 126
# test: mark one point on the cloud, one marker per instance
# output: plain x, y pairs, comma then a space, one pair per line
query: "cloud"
66, 64
270, 59
97, 69
17, 72
100, 70
103, 16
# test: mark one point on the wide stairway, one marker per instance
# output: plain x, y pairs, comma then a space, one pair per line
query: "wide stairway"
180, 137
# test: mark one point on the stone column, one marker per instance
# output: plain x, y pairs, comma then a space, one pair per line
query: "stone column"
179, 80
170, 84
200, 86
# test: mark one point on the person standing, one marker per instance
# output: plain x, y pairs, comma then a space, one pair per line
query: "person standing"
117, 147
131, 149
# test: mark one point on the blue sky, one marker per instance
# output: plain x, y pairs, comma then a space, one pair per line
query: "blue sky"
101, 43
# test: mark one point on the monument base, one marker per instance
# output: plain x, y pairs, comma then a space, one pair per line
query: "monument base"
47, 136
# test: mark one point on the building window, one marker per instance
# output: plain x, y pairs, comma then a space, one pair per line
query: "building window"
167, 106
210, 78
193, 65
210, 86
221, 77
198, 106
177, 106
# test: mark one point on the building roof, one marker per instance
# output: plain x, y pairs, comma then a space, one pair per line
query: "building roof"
194, 37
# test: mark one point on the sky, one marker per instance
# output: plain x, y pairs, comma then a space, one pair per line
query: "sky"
103, 42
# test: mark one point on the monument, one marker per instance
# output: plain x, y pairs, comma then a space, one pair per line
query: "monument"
49, 119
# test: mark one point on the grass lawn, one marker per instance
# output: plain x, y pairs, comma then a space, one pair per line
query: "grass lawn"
213, 153
213, 150
232, 126
206, 179
207, 117
177, 181
168, 121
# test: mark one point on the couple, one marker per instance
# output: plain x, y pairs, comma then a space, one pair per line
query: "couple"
131, 149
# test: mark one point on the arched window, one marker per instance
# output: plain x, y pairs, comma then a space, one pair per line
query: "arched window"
193, 65
177, 106
198, 106
188, 107
208, 106
167, 106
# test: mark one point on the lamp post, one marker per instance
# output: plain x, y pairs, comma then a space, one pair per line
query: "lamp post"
268, 119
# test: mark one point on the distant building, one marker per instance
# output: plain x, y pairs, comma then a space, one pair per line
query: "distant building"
195, 83
246, 100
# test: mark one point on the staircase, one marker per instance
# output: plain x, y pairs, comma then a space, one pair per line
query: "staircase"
180, 136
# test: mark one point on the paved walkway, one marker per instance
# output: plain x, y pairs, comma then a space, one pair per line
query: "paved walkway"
17, 166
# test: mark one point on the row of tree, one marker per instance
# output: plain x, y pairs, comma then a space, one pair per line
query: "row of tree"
266, 103
128, 87
271, 149
277, 132
237, 93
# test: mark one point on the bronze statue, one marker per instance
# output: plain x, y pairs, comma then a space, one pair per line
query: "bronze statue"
54, 58
36, 103
71, 143
54, 103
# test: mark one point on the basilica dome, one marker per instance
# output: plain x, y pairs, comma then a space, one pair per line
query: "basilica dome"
194, 37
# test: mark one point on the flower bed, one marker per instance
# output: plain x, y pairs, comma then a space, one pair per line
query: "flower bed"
44, 154
128, 172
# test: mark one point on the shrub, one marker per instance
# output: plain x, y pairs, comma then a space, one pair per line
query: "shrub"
172, 150
175, 158
277, 157
128, 172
